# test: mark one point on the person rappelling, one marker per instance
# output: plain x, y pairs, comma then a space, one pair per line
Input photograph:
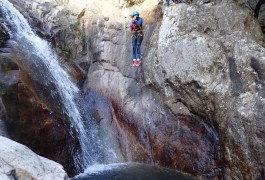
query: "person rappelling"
137, 37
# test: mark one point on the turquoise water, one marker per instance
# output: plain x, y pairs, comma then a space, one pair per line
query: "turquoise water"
130, 172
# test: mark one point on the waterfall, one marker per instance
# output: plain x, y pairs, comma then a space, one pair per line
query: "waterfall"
42, 64
45, 57
3, 131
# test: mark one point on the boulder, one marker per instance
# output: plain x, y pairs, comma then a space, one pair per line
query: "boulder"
19, 162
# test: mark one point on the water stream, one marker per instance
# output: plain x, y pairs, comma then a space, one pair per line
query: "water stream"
3, 131
41, 63
130, 171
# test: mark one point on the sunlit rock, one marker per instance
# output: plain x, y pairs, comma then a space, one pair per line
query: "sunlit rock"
19, 162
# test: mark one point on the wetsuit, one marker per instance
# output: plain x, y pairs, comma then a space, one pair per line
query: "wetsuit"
137, 37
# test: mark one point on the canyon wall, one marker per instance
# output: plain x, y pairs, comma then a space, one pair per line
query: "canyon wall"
195, 104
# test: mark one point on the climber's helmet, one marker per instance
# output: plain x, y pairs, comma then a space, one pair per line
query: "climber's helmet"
135, 13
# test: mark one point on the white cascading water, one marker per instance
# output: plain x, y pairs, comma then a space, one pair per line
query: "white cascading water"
97, 146
22, 33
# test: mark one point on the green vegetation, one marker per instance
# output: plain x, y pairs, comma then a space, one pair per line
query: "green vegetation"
76, 29
64, 49
80, 28
83, 36
76, 26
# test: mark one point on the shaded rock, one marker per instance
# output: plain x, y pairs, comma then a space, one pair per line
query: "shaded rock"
7, 63
9, 76
4, 35
31, 124
53, 137
77, 71
23, 163
261, 18
8, 80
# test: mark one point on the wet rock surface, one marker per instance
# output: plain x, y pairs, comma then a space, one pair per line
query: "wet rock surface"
28, 120
31, 123
164, 138
196, 103
38, 128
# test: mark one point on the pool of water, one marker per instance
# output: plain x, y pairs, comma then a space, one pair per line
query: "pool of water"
131, 171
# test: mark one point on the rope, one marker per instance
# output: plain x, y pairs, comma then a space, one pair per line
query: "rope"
134, 28
140, 28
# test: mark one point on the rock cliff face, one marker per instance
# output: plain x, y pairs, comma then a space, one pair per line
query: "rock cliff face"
213, 71
191, 105
197, 101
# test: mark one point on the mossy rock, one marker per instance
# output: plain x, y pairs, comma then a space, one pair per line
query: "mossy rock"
64, 49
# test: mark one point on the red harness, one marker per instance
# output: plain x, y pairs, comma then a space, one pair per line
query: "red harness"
134, 27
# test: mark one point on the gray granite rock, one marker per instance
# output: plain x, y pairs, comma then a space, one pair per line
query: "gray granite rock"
19, 162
